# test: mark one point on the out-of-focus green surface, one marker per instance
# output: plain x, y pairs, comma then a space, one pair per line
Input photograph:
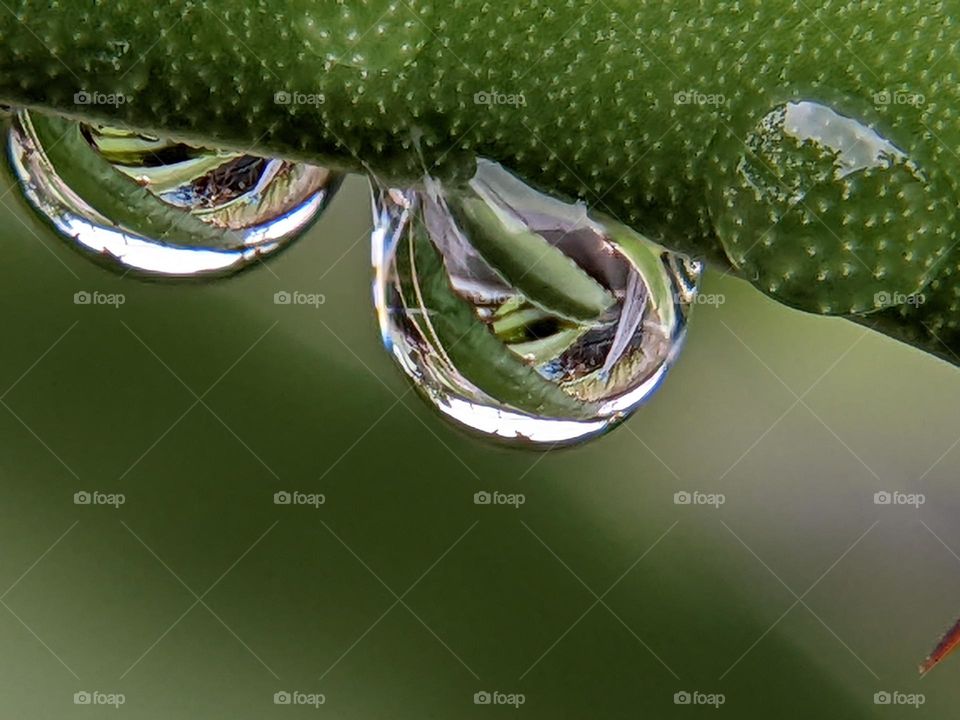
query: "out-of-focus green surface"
201, 598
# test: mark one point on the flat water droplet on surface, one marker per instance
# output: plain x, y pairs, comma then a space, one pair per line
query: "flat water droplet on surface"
157, 207
522, 317
824, 213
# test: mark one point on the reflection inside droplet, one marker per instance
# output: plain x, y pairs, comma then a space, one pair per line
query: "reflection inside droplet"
824, 212
522, 317
857, 146
200, 212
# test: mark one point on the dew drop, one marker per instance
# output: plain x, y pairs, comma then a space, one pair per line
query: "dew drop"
522, 317
159, 208
825, 213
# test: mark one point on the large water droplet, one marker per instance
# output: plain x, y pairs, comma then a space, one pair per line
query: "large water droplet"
520, 316
824, 213
157, 207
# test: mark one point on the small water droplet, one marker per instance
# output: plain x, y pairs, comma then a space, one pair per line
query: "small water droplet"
522, 317
824, 213
157, 207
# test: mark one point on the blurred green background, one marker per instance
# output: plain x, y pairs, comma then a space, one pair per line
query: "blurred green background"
599, 597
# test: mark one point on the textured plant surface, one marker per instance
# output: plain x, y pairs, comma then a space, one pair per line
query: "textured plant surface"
673, 117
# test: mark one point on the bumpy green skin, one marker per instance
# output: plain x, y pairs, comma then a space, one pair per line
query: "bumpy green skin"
643, 108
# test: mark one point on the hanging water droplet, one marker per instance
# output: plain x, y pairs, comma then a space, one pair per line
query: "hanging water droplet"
520, 316
157, 207
824, 213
